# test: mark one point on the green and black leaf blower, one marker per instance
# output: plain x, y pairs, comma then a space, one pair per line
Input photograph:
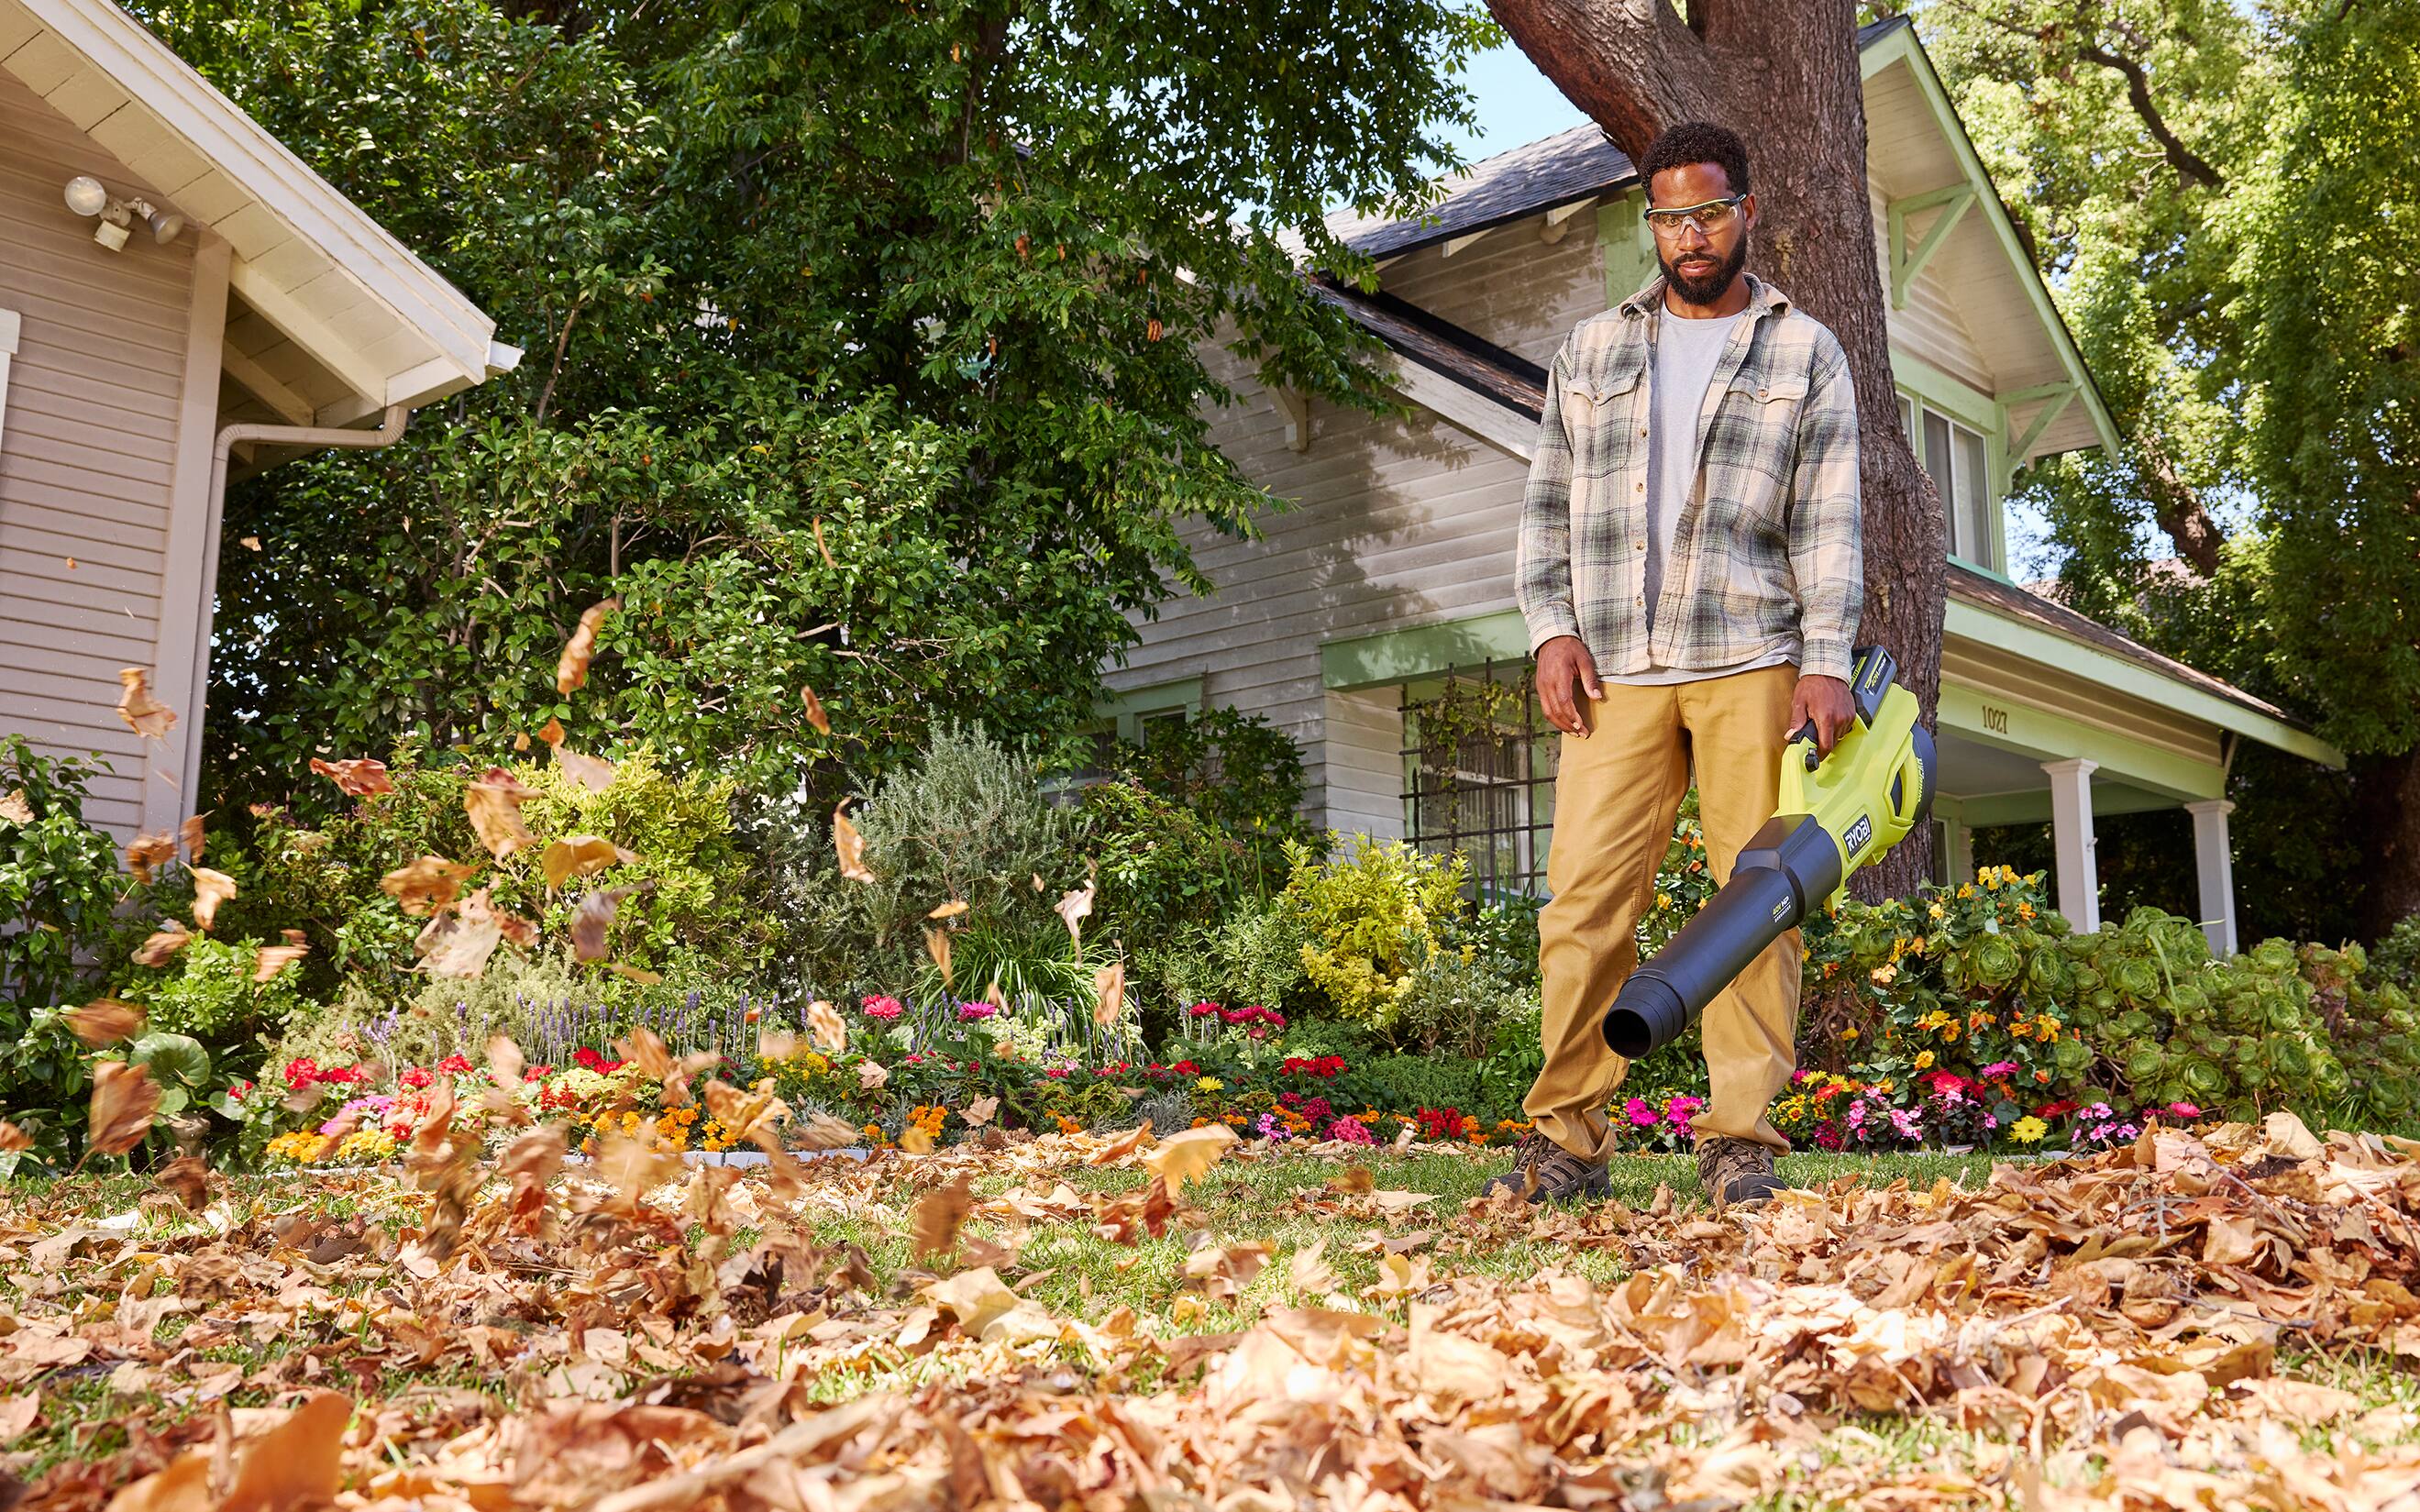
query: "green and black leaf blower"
1837, 812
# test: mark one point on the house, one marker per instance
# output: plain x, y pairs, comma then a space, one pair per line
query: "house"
1388, 590
178, 295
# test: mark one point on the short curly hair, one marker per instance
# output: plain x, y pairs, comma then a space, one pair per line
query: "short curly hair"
1696, 142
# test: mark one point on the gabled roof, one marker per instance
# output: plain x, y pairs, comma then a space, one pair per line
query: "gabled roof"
1444, 348
378, 325
1561, 169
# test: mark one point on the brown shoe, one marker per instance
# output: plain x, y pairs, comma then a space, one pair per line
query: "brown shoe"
1737, 1173
1544, 1171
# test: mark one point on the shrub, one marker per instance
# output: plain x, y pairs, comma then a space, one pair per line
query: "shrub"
1369, 919
1160, 867
967, 821
59, 882
1452, 1001
1253, 955
1426, 1081
206, 991
1240, 774
696, 889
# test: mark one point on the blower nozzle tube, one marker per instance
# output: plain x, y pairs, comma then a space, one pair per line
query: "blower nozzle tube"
1789, 866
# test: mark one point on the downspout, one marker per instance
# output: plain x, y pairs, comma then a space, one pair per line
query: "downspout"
389, 432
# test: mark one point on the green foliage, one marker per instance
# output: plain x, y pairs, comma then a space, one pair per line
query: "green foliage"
967, 821
178, 1065
1368, 918
914, 274
1452, 1002
60, 883
206, 991
1161, 866
700, 904
1238, 772
1427, 1082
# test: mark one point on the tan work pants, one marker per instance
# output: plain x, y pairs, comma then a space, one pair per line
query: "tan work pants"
1617, 796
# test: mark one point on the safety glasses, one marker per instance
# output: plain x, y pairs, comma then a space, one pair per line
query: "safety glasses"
1708, 218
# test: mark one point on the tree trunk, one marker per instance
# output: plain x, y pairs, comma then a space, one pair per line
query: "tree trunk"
1784, 74
2386, 810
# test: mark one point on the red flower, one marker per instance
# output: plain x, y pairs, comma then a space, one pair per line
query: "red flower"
1186, 1068
586, 1059
417, 1077
2052, 1110
454, 1065
301, 1072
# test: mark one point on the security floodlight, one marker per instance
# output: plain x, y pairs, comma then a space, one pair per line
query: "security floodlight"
87, 196
164, 225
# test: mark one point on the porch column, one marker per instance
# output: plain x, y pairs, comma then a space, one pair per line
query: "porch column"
1956, 850
2071, 819
2215, 863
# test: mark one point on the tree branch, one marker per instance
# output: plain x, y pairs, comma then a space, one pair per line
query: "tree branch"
2190, 166
1635, 66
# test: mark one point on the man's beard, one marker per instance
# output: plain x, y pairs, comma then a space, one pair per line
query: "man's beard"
1706, 290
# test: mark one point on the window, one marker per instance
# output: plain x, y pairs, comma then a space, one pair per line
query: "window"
1481, 762
1953, 456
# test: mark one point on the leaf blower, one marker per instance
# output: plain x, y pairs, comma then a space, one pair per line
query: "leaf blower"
1837, 812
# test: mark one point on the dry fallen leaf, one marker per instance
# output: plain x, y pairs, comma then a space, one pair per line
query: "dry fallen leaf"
1308, 1269
871, 1076
123, 1102
276, 958
165, 941
1073, 908
494, 804
571, 668
1184, 1157
210, 888
188, 1179
13, 1139
359, 777
431, 883
576, 855
592, 918
144, 715
15, 808
298, 1465
595, 773
551, 733
980, 1111
146, 853
103, 1021
638, 974
937, 944
815, 715
250, 543
937, 1217
830, 1029
192, 833
1109, 993
457, 943
850, 845
817, 525
949, 910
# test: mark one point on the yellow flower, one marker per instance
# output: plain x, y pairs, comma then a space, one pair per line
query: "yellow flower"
1848, 1034
1209, 1083
2024, 910
1924, 1061
1938, 912
1966, 889
2027, 1129
1884, 975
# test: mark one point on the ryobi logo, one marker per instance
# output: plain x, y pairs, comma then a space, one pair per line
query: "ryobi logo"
1860, 832
1780, 911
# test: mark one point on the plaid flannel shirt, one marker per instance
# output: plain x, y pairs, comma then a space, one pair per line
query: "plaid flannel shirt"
1766, 551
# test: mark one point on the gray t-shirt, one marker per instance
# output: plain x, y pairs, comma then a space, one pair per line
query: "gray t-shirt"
1686, 354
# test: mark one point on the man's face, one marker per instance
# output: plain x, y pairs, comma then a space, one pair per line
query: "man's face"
1700, 262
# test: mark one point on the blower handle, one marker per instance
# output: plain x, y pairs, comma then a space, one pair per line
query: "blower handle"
1871, 670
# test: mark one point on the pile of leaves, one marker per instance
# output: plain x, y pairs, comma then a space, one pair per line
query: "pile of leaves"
633, 1334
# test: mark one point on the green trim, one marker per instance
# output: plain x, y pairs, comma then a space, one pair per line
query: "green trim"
1993, 573
1901, 45
1127, 709
2045, 735
1953, 396
1394, 656
1994, 810
1625, 245
1979, 413
1953, 201
2060, 394
2110, 670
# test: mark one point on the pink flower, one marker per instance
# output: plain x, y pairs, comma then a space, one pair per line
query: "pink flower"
1203, 1010
976, 1010
1909, 1123
2184, 1110
1351, 1130
882, 1007
1998, 1068
1639, 1113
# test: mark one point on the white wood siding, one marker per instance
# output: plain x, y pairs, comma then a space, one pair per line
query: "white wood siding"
87, 460
1509, 287
1363, 766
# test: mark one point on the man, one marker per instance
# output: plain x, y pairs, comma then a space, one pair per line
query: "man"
1689, 569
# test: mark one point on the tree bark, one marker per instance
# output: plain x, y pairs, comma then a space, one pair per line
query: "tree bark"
1784, 74
2387, 812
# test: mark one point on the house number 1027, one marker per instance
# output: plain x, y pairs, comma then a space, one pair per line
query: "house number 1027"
1995, 720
